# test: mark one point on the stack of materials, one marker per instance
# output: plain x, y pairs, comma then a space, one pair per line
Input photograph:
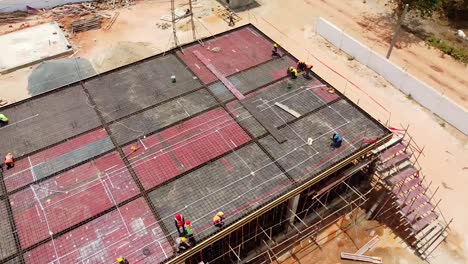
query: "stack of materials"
86, 24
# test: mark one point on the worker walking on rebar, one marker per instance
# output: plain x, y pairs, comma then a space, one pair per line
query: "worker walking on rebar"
306, 68
231, 19
122, 260
189, 229
274, 51
218, 219
336, 140
180, 224
292, 72
9, 161
3, 120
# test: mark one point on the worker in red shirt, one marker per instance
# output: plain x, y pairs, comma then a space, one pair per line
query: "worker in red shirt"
179, 222
9, 161
306, 68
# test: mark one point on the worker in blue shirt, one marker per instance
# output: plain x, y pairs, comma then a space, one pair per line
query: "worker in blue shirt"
337, 140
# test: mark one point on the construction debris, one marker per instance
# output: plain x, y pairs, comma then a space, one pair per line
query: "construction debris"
368, 245
163, 25
179, 14
3, 102
362, 258
111, 22
226, 14
214, 49
86, 24
13, 17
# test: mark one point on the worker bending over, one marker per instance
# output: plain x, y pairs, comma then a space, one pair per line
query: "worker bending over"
122, 260
3, 120
9, 161
292, 72
218, 219
182, 244
180, 224
336, 140
306, 68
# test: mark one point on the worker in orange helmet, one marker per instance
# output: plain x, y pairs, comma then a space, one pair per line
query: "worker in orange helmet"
9, 161
306, 68
179, 222
218, 219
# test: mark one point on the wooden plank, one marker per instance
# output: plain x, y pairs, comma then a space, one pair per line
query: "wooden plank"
219, 75
362, 258
288, 110
368, 246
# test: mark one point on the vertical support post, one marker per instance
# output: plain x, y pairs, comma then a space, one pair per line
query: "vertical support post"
176, 41
191, 20
292, 206
397, 30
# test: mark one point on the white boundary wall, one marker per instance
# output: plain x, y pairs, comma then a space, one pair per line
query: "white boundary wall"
405, 82
7, 6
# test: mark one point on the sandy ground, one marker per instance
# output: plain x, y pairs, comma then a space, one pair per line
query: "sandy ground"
445, 162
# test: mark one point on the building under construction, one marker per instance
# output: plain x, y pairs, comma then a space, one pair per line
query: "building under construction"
104, 164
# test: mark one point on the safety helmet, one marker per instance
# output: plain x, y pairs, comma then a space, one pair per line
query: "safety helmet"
120, 260
220, 214
9, 153
188, 222
291, 68
183, 239
275, 45
178, 217
302, 62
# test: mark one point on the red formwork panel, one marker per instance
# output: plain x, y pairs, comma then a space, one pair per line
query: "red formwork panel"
236, 51
71, 197
182, 147
124, 232
21, 174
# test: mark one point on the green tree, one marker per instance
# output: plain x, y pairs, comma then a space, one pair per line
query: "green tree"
423, 8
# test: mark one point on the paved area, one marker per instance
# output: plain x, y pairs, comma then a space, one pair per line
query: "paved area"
102, 175
32, 45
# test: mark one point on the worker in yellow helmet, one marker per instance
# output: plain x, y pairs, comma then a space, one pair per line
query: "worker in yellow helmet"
292, 72
182, 244
122, 260
218, 219
274, 51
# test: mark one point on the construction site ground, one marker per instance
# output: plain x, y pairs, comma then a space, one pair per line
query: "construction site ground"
135, 35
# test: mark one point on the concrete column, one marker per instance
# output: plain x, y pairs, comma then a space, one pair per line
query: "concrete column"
292, 206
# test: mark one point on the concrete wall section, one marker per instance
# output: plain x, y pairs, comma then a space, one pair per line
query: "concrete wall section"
408, 84
7, 6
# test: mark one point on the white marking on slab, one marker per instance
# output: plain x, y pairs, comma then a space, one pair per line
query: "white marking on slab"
143, 144
196, 65
27, 118
287, 109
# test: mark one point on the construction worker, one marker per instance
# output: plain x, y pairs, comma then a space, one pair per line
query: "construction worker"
231, 19
179, 223
122, 260
218, 219
292, 72
188, 228
306, 68
274, 51
9, 161
3, 120
336, 140
182, 244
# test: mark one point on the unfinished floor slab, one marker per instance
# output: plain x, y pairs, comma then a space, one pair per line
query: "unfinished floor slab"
7, 238
32, 45
124, 232
236, 184
71, 197
47, 120
126, 90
